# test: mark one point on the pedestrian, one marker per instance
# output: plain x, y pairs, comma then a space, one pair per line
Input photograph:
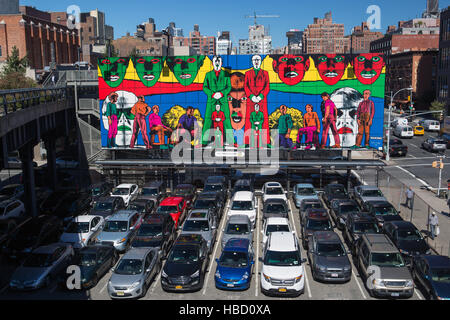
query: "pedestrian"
53, 80
409, 198
434, 224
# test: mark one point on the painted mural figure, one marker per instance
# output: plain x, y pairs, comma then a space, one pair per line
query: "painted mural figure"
237, 103
368, 67
156, 127
140, 111
149, 69
113, 120
329, 122
364, 115
285, 125
218, 118
217, 86
188, 123
257, 87
257, 121
113, 70
185, 68
290, 68
311, 128
331, 67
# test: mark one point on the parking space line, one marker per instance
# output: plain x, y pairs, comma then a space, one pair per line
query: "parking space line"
258, 218
156, 281
4, 289
104, 287
418, 294
357, 282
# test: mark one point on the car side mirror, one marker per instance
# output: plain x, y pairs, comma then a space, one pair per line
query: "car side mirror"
113, 270
217, 260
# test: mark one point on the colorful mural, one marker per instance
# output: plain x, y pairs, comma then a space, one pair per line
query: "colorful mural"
314, 101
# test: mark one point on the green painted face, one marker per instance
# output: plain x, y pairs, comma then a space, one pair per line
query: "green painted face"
149, 69
113, 70
185, 68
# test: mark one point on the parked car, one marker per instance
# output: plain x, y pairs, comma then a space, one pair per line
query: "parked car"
235, 266
134, 273
213, 200
273, 190
328, 258
216, 184
201, 223
12, 209
356, 225
383, 212
275, 208
243, 185
282, 271
82, 230
315, 220
363, 194
304, 191
274, 225
393, 279
238, 226
100, 190
175, 207
430, 125
107, 206
120, 230
309, 212
187, 191
397, 148
74, 205
7, 229
404, 132
155, 190
244, 203
156, 231
128, 192
186, 265
434, 145
339, 209
309, 204
94, 262
432, 273
419, 130
143, 206
333, 192
41, 267
12, 192
407, 239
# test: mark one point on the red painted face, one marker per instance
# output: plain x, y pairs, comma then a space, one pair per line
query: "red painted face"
291, 68
368, 67
331, 68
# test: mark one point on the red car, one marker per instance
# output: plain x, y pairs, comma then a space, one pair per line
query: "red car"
176, 207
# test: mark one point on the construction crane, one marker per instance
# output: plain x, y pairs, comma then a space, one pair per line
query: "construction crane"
261, 16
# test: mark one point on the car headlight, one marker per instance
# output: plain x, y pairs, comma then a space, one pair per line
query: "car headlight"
122, 240
196, 274
14, 283
409, 283
404, 252
322, 268
135, 285
266, 277
245, 276
217, 274
164, 275
297, 280
378, 282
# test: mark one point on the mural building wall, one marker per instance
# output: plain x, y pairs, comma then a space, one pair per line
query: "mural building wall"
314, 101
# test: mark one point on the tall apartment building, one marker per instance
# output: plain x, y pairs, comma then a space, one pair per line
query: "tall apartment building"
360, 39
257, 43
324, 36
295, 41
224, 46
443, 77
202, 45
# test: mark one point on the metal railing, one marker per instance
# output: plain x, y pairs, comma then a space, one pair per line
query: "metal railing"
19, 99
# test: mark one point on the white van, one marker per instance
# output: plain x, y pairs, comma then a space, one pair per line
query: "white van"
399, 122
244, 203
404, 132
430, 125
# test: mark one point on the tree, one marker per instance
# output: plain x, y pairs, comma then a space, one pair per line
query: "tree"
13, 75
437, 106
14, 63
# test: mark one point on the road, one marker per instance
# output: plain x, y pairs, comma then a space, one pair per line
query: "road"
352, 290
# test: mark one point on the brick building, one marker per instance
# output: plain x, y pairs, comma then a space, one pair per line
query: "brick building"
202, 45
361, 38
126, 44
36, 36
443, 81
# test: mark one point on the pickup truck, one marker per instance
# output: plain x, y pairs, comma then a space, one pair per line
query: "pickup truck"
397, 148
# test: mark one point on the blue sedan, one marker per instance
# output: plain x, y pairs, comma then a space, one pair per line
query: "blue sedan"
433, 275
235, 265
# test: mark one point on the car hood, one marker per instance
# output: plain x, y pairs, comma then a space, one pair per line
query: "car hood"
413, 247
300, 198
366, 199
393, 273
111, 236
226, 237
283, 273
73, 237
103, 213
233, 273
333, 262
280, 196
29, 274
206, 235
244, 213
442, 289
391, 217
147, 242
181, 269
120, 280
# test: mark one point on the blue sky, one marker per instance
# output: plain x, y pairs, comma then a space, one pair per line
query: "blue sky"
213, 16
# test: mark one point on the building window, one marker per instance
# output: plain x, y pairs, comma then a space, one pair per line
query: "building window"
0, 51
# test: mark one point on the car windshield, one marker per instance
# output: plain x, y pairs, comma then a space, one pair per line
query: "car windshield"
236, 228
330, 250
121, 192
183, 255
275, 208
409, 235
312, 205
129, 267
385, 210
366, 227
242, 188
387, 260
38, 260
306, 192
440, 275
78, 227
318, 225
149, 192
103, 206
372, 193
136, 207
150, 230
87, 259
242, 205
167, 209
196, 225
116, 226
348, 208
233, 259
96, 191
203, 204
277, 228
286, 259
212, 187
183, 192
338, 191
274, 191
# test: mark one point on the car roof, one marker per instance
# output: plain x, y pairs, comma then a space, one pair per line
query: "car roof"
281, 241
277, 220
94, 248
198, 215
274, 200
437, 261
189, 239
244, 182
239, 218
136, 253
122, 215
125, 185
380, 243
327, 237
379, 203
304, 185
49, 248
108, 199
273, 184
402, 225
208, 195
237, 244
86, 218
155, 219
243, 195
361, 217
171, 201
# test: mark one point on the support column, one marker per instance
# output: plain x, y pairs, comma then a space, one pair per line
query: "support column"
349, 172
50, 147
26, 156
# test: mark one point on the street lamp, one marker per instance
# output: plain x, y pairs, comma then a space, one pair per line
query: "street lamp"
388, 157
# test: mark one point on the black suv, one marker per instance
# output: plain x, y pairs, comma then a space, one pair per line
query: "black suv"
155, 190
99, 190
243, 185
339, 210
217, 184
186, 264
309, 204
157, 231
334, 191
187, 191
407, 239
383, 211
356, 225
107, 206
315, 220
206, 200
143, 206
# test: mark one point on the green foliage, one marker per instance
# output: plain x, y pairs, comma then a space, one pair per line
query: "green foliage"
14, 64
13, 75
437, 106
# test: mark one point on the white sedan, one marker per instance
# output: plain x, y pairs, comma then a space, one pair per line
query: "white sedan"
80, 232
128, 192
11, 209
273, 190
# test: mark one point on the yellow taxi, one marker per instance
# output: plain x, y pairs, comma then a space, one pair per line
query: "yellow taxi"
419, 131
